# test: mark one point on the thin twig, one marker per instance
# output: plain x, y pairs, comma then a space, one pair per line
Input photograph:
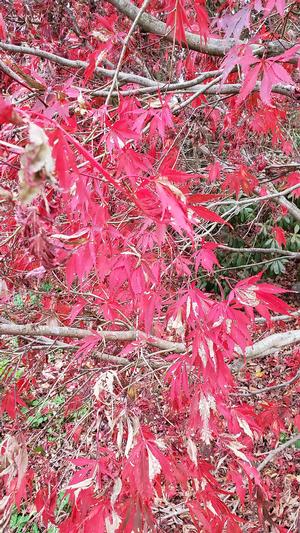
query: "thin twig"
276, 318
257, 198
278, 251
126, 41
278, 450
273, 387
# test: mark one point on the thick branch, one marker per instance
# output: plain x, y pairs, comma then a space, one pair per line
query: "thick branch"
214, 47
276, 318
290, 206
9, 72
181, 86
148, 86
123, 76
273, 342
118, 336
293, 255
150, 24
227, 89
266, 345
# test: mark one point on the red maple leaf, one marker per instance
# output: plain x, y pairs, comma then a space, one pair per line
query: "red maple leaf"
279, 235
261, 296
240, 180
206, 256
177, 19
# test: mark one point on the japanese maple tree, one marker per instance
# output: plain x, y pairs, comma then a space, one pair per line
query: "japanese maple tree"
132, 137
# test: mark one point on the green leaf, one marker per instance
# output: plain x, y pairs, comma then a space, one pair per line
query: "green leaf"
58, 399
3, 365
34, 298
283, 437
37, 420
18, 301
47, 287
18, 522
52, 529
39, 449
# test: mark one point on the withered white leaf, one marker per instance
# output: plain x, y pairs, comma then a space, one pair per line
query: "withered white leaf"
37, 158
154, 465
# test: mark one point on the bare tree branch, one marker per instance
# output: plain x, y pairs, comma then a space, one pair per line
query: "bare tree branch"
118, 336
274, 194
266, 345
279, 196
273, 342
125, 44
278, 450
166, 86
293, 255
123, 76
273, 387
225, 89
148, 86
214, 47
290, 206
285, 318
9, 72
